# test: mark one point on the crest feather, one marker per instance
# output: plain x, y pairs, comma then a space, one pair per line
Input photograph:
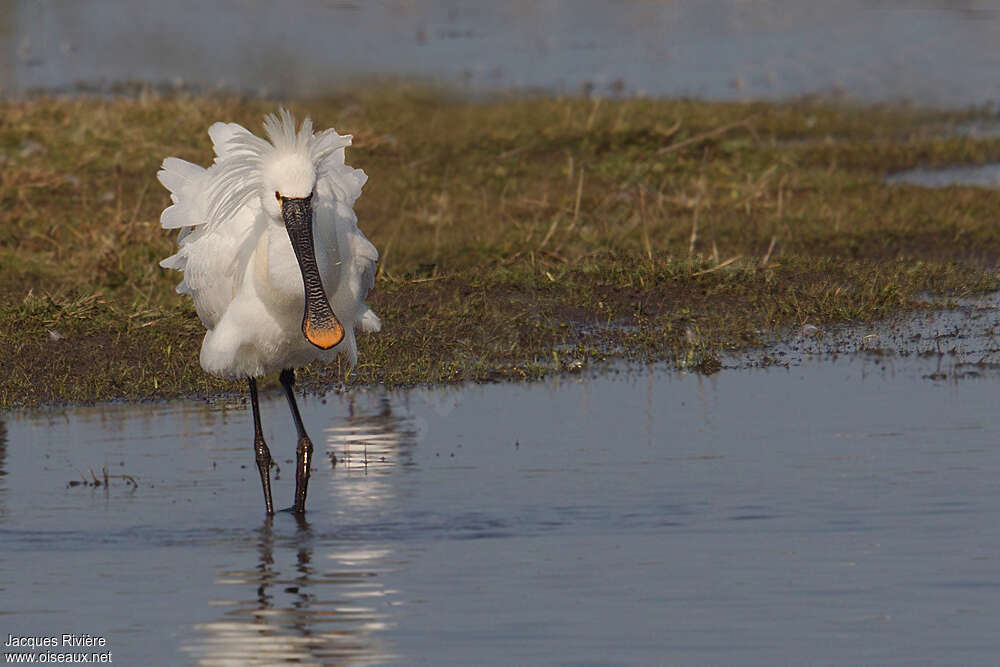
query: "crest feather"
237, 175
280, 130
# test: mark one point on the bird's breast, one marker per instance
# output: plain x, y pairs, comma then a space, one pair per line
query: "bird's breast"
277, 274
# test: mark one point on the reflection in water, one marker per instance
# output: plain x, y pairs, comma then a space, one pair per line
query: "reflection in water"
290, 608
373, 442
372, 447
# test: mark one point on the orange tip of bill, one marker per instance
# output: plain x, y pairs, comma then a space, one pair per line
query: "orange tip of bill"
325, 335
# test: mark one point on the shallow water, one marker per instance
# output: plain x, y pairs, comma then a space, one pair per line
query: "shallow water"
940, 53
983, 176
831, 512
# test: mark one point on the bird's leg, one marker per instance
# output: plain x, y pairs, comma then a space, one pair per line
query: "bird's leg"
304, 450
260, 448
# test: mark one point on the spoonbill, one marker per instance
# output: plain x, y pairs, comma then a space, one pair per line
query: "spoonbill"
273, 259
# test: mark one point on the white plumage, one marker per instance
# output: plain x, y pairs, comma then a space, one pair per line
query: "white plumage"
273, 258
238, 262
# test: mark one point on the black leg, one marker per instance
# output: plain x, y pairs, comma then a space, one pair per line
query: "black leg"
260, 448
304, 450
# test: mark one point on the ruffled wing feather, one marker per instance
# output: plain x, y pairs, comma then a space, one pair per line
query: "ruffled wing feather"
201, 248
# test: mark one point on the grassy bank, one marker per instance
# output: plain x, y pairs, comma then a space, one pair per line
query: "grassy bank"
517, 237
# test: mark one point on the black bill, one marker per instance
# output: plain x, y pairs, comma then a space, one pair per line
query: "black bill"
319, 325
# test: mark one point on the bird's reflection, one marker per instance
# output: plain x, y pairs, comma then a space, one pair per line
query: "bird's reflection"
297, 610
311, 598
373, 446
374, 441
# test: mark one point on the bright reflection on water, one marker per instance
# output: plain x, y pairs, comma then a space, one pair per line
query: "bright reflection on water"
304, 609
292, 618
825, 513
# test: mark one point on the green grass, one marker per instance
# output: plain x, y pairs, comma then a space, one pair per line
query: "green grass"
518, 236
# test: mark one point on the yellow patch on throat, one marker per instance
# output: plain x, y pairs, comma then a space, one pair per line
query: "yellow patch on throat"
323, 335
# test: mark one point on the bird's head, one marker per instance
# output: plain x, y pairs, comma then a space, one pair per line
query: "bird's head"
288, 181
287, 175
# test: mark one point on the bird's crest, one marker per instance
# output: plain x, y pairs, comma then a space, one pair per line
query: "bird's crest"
280, 130
241, 156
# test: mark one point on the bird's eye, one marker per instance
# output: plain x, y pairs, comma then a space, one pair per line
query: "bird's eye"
277, 195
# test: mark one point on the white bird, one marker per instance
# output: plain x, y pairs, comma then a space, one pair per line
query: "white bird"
273, 258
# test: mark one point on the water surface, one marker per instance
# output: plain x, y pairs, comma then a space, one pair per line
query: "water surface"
831, 512
933, 52
983, 176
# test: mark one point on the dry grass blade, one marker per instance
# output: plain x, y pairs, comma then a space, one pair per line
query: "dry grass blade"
646, 245
721, 265
694, 219
548, 234
593, 113
770, 249
698, 138
576, 204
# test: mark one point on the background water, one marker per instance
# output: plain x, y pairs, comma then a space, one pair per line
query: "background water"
983, 176
931, 51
